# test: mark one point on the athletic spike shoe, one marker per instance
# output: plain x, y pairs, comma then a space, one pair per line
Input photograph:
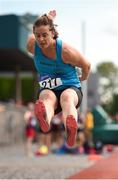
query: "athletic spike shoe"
40, 113
71, 127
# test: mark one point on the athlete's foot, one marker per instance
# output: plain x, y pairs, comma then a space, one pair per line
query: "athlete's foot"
40, 113
71, 127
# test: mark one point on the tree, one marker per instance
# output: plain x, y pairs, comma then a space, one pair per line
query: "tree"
114, 104
107, 69
108, 83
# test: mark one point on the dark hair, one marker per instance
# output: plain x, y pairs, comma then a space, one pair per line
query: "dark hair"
45, 20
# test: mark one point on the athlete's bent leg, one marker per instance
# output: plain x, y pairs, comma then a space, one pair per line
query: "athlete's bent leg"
69, 101
44, 109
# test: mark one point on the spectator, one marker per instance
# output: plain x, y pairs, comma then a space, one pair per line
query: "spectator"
81, 133
57, 131
30, 128
89, 125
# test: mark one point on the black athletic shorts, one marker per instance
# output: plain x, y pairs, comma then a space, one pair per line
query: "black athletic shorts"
58, 94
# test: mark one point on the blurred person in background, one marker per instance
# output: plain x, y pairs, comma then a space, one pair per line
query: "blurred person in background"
57, 132
60, 86
89, 125
30, 128
44, 141
81, 139
2, 108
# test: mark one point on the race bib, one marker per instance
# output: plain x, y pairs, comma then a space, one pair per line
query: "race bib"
50, 83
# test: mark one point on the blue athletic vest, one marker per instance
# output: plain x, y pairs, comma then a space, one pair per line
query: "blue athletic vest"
55, 74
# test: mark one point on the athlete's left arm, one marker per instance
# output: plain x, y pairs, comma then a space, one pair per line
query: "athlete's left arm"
72, 56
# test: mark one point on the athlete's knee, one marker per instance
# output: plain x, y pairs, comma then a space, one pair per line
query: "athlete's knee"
65, 97
47, 95
68, 97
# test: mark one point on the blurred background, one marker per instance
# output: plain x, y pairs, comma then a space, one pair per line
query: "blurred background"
91, 26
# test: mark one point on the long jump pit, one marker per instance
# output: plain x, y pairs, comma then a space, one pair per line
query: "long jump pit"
105, 168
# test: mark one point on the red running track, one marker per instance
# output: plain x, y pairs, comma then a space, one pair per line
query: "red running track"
107, 168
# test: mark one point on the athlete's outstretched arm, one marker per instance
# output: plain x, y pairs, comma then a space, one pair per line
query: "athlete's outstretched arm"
72, 56
31, 43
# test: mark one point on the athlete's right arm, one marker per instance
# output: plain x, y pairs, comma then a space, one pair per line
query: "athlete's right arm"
31, 44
